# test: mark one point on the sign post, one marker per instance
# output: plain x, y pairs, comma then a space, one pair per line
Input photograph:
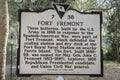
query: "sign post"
60, 41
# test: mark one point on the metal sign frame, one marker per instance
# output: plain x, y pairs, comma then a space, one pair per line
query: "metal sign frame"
101, 55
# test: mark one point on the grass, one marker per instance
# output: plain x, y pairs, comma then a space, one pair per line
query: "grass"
111, 63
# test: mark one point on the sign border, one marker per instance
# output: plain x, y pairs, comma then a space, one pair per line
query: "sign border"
18, 51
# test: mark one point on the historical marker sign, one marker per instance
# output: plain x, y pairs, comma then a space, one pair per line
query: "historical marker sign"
60, 42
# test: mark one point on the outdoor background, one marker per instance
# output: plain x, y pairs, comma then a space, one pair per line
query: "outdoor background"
110, 35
